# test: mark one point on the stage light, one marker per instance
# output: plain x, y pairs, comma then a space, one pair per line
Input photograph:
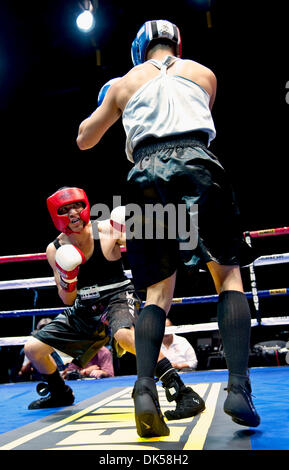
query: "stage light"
85, 20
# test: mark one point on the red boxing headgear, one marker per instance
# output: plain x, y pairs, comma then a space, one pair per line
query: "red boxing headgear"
63, 197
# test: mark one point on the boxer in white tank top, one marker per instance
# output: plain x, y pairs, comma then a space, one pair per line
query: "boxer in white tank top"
163, 115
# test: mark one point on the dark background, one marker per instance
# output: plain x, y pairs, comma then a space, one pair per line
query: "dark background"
49, 82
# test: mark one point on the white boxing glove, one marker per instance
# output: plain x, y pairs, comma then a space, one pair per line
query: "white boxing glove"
117, 218
68, 258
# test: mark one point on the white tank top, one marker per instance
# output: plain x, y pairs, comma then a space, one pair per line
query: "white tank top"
166, 105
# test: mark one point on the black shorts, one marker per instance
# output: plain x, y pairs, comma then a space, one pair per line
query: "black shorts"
181, 171
81, 330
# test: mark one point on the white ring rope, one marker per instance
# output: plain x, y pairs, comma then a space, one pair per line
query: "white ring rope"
50, 282
179, 329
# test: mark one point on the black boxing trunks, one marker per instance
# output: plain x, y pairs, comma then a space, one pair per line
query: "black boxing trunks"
81, 330
180, 170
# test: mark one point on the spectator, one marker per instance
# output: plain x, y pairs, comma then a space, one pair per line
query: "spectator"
100, 366
179, 351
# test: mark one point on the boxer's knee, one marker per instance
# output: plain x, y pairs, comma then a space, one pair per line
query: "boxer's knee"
161, 294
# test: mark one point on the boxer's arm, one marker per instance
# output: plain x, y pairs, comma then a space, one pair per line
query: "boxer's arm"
117, 221
95, 126
213, 82
111, 240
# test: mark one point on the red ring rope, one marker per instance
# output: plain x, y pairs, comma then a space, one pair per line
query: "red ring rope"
16, 258
42, 256
32, 257
270, 232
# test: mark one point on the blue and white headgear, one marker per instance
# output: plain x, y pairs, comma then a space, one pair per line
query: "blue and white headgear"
151, 30
104, 89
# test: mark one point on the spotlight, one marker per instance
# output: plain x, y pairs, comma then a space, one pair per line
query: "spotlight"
85, 20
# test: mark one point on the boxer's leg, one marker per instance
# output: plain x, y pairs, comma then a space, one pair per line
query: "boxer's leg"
61, 394
234, 319
149, 332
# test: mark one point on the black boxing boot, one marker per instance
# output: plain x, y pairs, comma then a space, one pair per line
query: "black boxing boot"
148, 416
60, 394
239, 404
189, 403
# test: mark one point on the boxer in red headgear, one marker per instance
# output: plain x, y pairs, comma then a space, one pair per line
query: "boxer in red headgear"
90, 279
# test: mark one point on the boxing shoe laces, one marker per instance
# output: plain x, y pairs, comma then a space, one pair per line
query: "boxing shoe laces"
239, 404
148, 416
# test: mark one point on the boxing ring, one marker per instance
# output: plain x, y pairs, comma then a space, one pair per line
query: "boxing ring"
102, 417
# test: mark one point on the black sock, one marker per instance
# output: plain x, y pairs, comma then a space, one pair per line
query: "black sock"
55, 382
149, 332
234, 320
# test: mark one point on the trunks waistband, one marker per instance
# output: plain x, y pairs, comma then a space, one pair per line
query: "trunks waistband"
93, 292
155, 143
